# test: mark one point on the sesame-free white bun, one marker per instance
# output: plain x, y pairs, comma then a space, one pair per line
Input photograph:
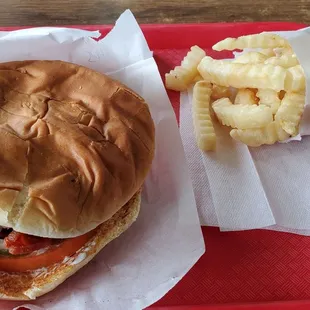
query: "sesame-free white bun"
32, 284
75, 147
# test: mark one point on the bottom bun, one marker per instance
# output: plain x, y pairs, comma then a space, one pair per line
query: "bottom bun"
32, 284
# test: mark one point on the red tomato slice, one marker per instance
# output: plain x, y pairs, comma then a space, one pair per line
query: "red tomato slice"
55, 254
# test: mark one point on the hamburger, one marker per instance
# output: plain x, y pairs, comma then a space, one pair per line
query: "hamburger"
76, 147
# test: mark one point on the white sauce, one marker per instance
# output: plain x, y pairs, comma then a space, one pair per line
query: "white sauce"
40, 251
38, 272
75, 260
79, 258
66, 259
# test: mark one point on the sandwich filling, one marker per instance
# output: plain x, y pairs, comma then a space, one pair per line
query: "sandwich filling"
21, 252
16, 243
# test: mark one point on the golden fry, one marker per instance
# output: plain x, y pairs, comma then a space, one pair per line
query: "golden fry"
226, 73
269, 52
203, 126
242, 116
269, 98
270, 134
262, 40
182, 76
290, 112
219, 92
295, 80
245, 96
285, 61
250, 58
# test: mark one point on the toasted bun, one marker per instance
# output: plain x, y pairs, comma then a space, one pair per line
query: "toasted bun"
30, 285
75, 147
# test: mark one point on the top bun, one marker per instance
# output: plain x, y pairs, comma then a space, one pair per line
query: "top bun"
75, 147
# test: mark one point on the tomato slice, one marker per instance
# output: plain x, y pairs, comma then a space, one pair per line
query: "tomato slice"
54, 254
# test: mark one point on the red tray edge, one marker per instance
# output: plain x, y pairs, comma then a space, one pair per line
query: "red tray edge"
186, 34
281, 305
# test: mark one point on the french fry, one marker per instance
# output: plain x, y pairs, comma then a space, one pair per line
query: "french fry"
197, 78
203, 126
270, 134
219, 92
242, 116
269, 52
251, 58
181, 76
176, 79
280, 51
290, 112
295, 80
285, 61
269, 98
262, 40
226, 73
245, 96
260, 93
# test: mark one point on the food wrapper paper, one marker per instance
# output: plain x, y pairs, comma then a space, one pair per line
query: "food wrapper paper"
143, 264
239, 188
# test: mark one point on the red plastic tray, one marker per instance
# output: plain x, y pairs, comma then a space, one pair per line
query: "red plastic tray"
255, 269
252, 270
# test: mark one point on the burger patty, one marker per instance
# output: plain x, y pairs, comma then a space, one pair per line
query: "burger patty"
21, 244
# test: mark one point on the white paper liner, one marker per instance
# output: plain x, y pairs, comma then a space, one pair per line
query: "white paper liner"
144, 263
237, 187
